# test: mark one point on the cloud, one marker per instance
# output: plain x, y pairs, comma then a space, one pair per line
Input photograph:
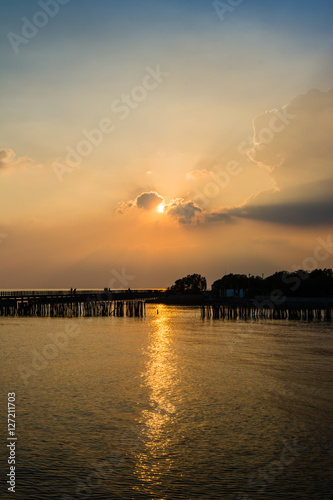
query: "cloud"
218, 216
198, 174
281, 207
149, 201
8, 159
123, 207
185, 212
294, 144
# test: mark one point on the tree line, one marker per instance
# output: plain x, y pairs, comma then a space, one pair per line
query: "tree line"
316, 283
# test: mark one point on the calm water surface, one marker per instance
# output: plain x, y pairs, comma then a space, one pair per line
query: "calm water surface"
168, 407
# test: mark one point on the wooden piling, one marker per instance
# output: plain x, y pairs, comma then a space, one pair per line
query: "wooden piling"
292, 312
63, 309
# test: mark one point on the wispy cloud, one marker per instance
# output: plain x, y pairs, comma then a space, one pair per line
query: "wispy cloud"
298, 157
198, 174
8, 160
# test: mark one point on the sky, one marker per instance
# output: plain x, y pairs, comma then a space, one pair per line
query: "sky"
141, 141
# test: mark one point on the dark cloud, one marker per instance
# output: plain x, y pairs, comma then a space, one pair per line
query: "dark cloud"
296, 214
217, 216
186, 212
295, 145
149, 201
279, 207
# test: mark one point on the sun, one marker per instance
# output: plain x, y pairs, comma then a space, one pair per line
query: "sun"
160, 208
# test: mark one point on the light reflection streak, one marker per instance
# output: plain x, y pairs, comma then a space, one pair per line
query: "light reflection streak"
160, 377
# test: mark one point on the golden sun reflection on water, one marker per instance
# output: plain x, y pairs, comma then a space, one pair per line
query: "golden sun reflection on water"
160, 377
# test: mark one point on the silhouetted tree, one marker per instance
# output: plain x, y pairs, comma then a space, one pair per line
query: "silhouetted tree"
192, 283
300, 283
238, 282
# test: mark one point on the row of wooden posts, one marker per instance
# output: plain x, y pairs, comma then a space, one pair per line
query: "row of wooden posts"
121, 308
137, 308
302, 312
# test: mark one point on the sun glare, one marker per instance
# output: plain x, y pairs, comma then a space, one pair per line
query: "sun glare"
160, 208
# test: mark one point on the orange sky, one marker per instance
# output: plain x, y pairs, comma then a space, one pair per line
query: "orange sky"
228, 127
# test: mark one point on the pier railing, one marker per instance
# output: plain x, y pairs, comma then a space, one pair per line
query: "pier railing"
76, 303
74, 292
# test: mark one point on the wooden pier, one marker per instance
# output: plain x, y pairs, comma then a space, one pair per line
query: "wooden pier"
249, 310
63, 304
132, 303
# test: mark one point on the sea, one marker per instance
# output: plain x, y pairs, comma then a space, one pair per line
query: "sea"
167, 407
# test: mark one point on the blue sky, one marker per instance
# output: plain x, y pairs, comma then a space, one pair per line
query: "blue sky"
85, 19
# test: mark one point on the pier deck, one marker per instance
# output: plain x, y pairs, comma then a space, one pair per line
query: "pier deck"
75, 303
